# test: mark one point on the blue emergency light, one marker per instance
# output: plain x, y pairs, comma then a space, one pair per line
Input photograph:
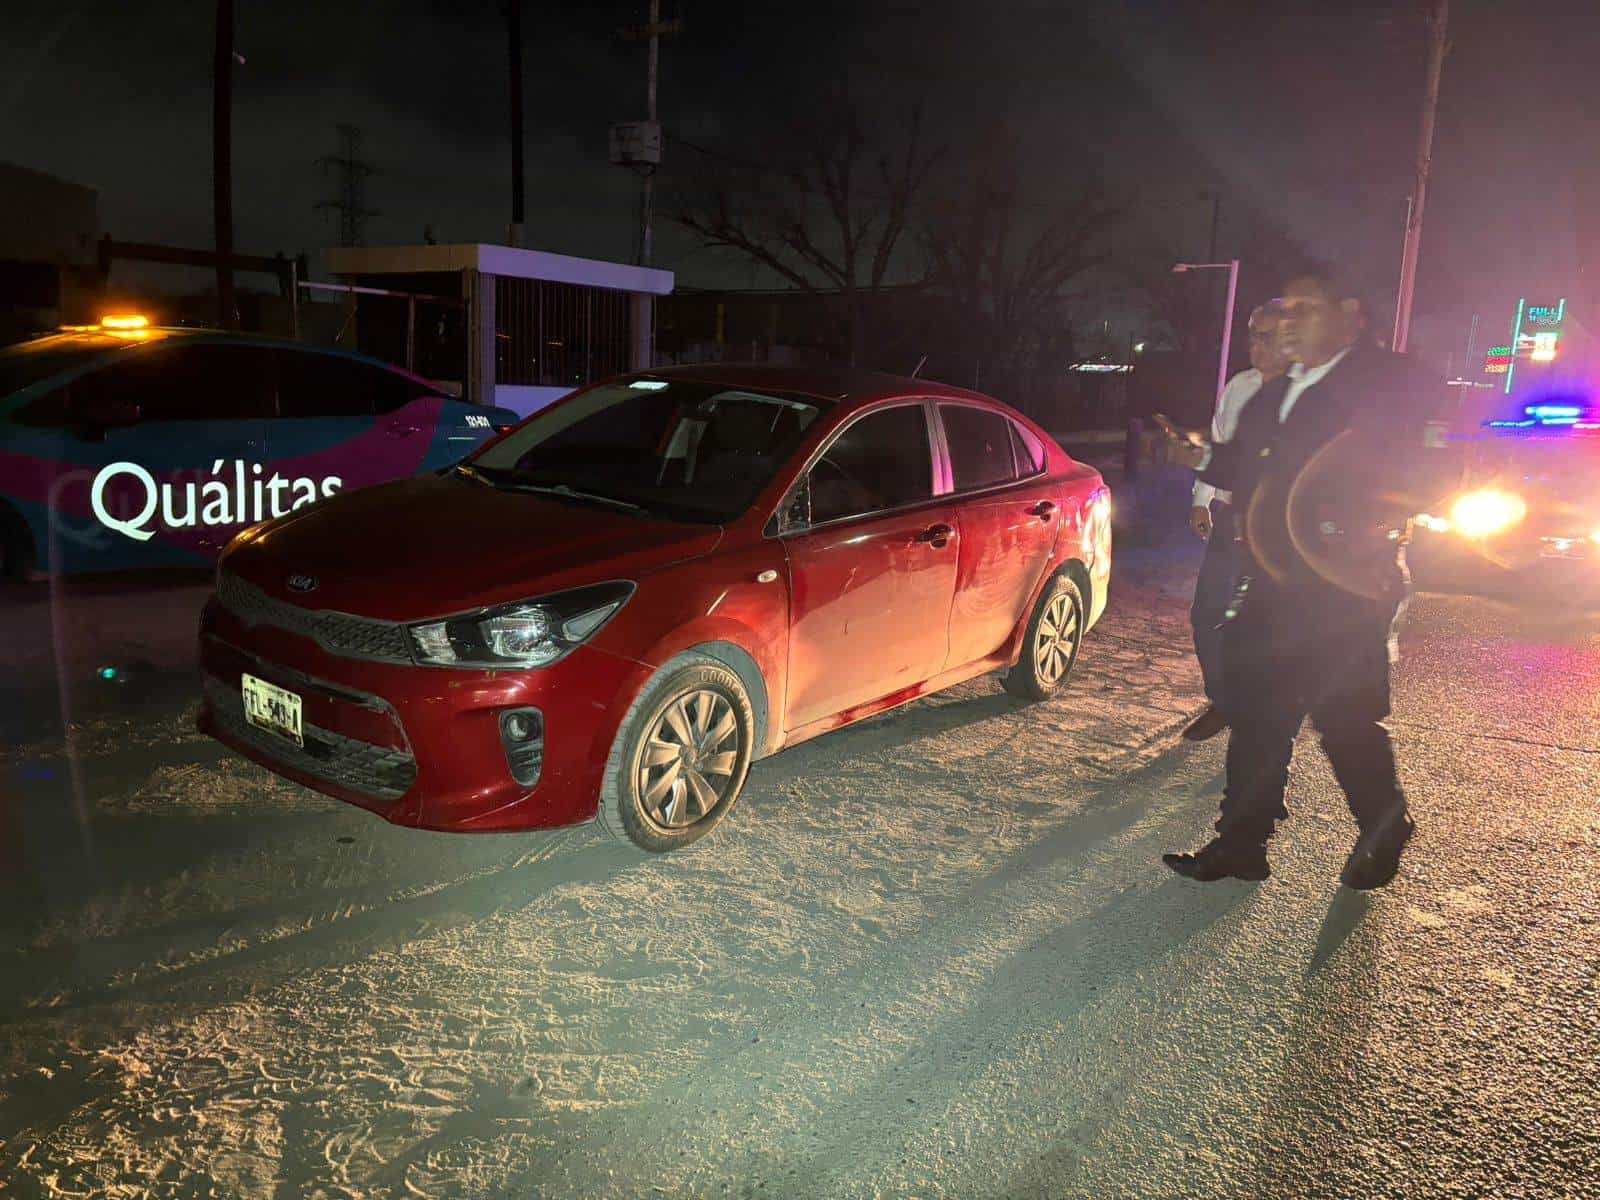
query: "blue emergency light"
1551, 416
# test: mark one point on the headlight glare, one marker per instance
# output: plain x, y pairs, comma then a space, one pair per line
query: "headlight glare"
1486, 512
533, 633
522, 633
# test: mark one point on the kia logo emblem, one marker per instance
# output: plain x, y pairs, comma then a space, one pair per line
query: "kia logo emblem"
302, 583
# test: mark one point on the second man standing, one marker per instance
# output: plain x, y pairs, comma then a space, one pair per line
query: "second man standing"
1212, 518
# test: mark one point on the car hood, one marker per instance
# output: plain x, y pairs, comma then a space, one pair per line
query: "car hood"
441, 544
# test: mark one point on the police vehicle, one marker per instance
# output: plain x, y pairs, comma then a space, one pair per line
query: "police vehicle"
127, 445
1528, 427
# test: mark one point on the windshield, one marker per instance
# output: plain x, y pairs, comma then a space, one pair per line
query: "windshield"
691, 451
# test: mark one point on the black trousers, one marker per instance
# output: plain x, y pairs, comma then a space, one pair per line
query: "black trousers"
1296, 652
1213, 590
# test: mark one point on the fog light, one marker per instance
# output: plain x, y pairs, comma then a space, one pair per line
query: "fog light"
522, 738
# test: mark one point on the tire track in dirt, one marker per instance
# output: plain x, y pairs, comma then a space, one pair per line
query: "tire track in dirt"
834, 1035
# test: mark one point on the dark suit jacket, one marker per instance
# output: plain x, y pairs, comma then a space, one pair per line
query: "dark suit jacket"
1375, 406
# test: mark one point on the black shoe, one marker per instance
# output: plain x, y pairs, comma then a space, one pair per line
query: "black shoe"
1376, 856
1221, 860
1207, 725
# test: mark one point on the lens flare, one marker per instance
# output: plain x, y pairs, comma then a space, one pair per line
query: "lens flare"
1483, 513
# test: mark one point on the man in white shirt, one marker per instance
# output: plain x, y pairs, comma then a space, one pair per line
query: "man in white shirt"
1211, 517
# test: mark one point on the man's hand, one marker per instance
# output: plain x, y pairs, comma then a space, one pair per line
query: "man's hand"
1187, 447
1200, 521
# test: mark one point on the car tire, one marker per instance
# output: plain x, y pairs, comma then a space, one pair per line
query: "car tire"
1050, 642
658, 807
16, 547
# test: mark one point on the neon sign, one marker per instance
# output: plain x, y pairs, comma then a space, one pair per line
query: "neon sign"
1534, 335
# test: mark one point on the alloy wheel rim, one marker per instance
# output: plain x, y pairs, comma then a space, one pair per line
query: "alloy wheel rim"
1057, 640
686, 768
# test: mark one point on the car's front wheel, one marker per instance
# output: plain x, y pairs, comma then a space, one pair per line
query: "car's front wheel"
1050, 642
680, 757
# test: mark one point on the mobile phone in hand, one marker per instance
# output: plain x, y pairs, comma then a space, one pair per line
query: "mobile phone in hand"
1174, 432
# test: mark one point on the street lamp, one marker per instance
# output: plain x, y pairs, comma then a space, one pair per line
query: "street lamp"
1232, 267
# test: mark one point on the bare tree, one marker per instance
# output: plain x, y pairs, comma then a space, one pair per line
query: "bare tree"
1009, 266
831, 218
1185, 309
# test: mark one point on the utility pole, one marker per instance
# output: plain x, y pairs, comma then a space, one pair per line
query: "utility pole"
1232, 268
222, 164
650, 115
653, 31
1437, 45
514, 38
353, 173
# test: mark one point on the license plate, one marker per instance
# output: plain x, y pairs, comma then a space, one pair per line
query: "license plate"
270, 707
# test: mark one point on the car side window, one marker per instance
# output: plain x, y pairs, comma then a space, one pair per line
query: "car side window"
185, 383
48, 411
979, 440
878, 463
325, 385
1029, 450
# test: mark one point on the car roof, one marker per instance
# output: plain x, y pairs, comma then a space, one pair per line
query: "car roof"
90, 339
833, 384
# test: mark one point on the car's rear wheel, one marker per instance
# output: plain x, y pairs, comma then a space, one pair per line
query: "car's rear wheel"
1050, 642
681, 756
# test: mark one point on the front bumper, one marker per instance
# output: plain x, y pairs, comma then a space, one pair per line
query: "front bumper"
419, 746
1529, 568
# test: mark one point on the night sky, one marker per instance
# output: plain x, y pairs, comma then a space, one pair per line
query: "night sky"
1305, 113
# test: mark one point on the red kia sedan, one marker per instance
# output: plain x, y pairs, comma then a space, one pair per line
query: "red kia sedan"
614, 608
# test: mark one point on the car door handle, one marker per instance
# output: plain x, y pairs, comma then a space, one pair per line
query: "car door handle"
1044, 510
935, 535
397, 430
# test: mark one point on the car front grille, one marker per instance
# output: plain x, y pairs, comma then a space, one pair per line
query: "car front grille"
378, 771
336, 632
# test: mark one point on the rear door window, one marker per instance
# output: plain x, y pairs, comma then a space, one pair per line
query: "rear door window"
979, 441
325, 385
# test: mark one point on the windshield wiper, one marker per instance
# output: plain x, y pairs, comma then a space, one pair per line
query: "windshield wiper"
561, 489
498, 477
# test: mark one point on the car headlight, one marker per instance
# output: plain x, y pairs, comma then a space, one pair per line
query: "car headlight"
1486, 512
532, 633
